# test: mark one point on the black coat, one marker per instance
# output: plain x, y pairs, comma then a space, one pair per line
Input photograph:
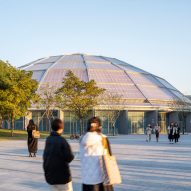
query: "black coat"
57, 156
32, 142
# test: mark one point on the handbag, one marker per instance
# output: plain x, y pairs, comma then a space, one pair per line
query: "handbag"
36, 133
110, 168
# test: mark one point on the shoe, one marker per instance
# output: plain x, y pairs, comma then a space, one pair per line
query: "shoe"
30, 155
34, 155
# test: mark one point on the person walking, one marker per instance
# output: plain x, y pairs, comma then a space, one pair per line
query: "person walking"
176, 132
149, 133
31, 141
56, 158
92, 148
157, 132
171, 132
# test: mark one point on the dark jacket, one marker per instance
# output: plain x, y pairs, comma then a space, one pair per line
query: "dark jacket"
57, 156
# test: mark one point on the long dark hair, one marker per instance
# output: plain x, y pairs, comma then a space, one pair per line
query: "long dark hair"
31, 124
94, 125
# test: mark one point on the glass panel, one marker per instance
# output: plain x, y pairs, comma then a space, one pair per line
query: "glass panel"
39, 66
180, 96
6, 124
126, 91
37, 75
152, 92
144, 79
125, 66
96, 62
109, 76
104, 118
72, 125
162, 121
36, 116
70, 62
106, 126
94, 59
101, 65
55, 76
41, 121
165, 83
19, 124
67, 123
29, 64
50, 59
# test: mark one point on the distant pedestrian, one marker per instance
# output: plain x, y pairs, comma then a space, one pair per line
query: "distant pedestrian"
149, 133
176, 132
57, 156
171, 132
91, 151
157, 132
32, 141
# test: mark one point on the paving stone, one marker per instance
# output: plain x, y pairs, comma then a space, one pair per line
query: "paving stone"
144, 166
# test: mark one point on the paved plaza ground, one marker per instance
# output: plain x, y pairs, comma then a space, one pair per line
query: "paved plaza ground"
144, 166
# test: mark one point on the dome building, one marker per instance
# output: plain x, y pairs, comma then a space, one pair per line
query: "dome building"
147, 97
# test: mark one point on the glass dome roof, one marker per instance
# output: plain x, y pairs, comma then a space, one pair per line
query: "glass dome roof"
135, 85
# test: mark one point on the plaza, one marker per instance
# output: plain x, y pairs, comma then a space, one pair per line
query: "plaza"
144, 166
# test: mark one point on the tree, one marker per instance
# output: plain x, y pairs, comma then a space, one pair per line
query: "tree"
17, 89
182, 106
47, 101
78, 96
114, 104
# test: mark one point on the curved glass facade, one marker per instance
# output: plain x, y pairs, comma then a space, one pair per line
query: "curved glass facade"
146, 97
130, 82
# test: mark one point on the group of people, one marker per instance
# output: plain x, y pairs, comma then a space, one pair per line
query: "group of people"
93, 146
58, 154
150, 130
173, 132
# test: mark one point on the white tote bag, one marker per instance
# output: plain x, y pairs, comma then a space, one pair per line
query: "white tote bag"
110, 168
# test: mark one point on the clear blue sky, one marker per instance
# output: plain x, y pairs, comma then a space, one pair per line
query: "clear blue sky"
154, 35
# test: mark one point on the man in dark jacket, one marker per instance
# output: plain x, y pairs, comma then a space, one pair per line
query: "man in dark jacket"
57, 156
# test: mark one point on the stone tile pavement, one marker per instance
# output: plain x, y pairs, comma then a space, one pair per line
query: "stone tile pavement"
144, 166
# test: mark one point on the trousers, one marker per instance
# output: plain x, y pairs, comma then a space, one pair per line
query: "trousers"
62, 187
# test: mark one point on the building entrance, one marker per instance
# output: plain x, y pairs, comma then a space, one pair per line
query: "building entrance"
134, 127
162, 120
136, 122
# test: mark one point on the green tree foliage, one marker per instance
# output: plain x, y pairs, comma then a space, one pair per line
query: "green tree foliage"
78, 96
17, 90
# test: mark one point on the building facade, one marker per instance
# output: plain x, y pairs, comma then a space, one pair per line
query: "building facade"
147, 98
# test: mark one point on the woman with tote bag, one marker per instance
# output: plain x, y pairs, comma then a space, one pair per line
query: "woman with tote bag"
32, 140
93, 147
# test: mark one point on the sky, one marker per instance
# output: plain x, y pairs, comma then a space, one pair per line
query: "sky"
154, 35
